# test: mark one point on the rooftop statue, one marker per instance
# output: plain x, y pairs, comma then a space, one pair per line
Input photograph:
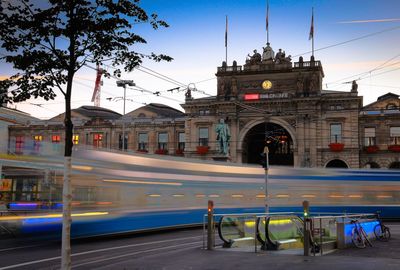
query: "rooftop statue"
268, 53
354, 86
254, 59
281, 58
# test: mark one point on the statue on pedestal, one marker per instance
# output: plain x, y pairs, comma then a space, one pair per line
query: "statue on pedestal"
223, 137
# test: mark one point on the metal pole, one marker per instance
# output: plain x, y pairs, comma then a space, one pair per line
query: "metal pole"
123, 121
123, 83
266, 152
210, 226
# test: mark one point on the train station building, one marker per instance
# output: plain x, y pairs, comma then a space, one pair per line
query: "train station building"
270, 100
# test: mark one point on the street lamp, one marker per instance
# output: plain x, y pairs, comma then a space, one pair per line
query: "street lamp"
124, 83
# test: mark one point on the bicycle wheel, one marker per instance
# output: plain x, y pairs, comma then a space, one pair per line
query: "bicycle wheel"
365, 236
357, 239
378, 232
386, 233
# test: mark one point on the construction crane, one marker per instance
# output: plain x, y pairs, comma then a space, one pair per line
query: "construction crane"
97, 87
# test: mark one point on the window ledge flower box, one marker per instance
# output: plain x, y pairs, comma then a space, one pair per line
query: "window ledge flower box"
394, 148
336, 147
202, 150
161, 152
371, 149
179, 152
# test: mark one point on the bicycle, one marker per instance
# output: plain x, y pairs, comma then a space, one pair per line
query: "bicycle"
382, 232
358, 236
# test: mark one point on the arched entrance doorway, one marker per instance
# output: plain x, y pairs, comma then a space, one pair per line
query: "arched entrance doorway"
336, 163
395, 165
279, 141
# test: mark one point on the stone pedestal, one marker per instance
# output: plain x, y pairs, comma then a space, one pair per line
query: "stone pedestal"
221, 158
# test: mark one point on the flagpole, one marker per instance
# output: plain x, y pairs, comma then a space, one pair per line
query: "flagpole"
312, 22
267, 26
226, 39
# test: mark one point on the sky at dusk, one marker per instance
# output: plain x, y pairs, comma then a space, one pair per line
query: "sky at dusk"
195, 39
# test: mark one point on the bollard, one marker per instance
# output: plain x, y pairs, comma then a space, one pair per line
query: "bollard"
210, 225
306, 228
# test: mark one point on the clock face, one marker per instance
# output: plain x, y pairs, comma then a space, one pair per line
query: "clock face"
266, 84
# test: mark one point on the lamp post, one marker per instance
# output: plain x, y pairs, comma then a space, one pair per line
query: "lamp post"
124, 83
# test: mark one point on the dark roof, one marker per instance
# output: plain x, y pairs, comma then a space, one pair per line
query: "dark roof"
97, 112
388, 96
163, 110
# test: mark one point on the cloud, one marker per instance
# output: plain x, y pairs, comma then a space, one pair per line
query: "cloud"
372, 21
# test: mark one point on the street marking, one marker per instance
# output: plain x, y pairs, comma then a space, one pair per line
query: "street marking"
97, 250
14, 248
136, 253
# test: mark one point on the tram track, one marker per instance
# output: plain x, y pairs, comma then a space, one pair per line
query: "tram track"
86, 255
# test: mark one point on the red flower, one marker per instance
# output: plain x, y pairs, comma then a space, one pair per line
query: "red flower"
202, 150
179, 152
372, 149
394, 148
336, 147
161, 151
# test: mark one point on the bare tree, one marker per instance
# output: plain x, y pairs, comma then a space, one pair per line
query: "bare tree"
47, 42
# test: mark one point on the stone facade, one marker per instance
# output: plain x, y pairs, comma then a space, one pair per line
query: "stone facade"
380, 133
267, 101
101, 128
283, 93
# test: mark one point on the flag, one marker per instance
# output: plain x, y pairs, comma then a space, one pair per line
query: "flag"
226, 32
312, 26
266, 21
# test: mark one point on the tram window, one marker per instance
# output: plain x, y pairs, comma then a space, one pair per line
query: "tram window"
203, 136
336, 133
394, 135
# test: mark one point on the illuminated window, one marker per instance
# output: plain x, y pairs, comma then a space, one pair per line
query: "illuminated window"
38, 138
55, 138
181, 140
19, 144
203, 136
143, 141
369, 137
163, 140
37, 142
336, 133
98, 140
75, 139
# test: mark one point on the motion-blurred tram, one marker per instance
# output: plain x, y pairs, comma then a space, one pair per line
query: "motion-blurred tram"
120, 193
